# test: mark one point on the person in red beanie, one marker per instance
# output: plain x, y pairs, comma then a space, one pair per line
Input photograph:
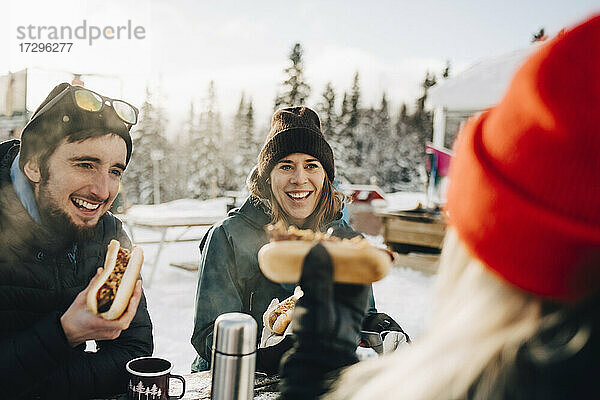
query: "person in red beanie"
516, 313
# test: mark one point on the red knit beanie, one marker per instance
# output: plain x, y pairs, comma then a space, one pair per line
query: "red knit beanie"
524, 192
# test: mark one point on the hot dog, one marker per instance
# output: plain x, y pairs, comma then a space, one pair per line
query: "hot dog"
354, 260
279, 317
109, 296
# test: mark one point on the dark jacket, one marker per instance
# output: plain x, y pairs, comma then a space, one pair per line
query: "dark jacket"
561, 361
230, 279
40, 276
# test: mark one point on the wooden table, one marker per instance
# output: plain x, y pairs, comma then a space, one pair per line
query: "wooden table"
163, 226
416, 236
198, 386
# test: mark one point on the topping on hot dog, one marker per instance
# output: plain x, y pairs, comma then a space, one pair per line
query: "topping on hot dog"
107, 292
278, 232
279, 314
109, 295
354, 260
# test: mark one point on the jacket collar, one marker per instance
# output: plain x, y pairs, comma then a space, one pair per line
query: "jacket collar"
21, 234
254, 212
23, 189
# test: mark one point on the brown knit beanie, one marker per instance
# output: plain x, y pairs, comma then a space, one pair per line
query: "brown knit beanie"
295, 130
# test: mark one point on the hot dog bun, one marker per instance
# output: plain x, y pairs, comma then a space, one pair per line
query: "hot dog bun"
281, 261
124, 282
278, 319
282, 321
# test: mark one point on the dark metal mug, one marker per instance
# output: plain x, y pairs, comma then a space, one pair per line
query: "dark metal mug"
149, 379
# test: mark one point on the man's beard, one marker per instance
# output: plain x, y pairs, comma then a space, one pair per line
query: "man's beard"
57, 221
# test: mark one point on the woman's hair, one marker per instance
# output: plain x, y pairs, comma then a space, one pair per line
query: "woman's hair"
478, 324
329, 205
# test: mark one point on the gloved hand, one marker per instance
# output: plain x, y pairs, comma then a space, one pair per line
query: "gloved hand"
381, 333
381, 322
326, 325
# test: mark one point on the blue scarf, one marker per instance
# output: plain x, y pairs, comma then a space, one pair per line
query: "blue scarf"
23, 189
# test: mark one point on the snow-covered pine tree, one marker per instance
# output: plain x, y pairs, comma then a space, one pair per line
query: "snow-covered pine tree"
327, 114
411, 162
405, 173
205, 163
403, 120
147, 136
340, 143
294, 90
385, 147
183, 150
399, 171
422, 119
233, 143
414, 132
446, 70
330, 125
254, 142
368, 137
350, 138
238, 119
246, 144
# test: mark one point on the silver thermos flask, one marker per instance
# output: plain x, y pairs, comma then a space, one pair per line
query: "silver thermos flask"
233, 357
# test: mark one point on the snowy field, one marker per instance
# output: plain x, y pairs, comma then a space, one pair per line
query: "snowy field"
404, 294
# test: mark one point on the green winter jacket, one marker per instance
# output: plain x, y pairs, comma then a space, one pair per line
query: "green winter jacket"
230, 279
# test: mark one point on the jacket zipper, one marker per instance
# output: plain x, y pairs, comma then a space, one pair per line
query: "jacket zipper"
56, 272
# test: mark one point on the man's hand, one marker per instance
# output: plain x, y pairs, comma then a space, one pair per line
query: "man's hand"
79, 324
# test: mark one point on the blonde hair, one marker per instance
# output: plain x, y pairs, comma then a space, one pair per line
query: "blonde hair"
478, 324
329, 205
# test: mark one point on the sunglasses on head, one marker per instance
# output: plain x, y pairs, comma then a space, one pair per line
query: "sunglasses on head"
88, 100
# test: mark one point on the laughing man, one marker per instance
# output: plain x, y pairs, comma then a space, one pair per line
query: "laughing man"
56, 187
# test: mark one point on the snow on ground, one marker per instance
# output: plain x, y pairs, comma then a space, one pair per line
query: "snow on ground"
404, 294
180, 210
171, 301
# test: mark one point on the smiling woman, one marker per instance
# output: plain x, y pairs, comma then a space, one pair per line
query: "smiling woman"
295, 172
296, 183
292, 183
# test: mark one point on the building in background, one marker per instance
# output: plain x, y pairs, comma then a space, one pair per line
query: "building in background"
13, 104
477, 88
22, 91
454, 100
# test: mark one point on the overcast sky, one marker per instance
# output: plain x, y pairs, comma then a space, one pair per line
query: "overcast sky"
243, 46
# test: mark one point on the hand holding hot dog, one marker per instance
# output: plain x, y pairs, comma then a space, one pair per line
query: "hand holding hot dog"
109, 294
79, 324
